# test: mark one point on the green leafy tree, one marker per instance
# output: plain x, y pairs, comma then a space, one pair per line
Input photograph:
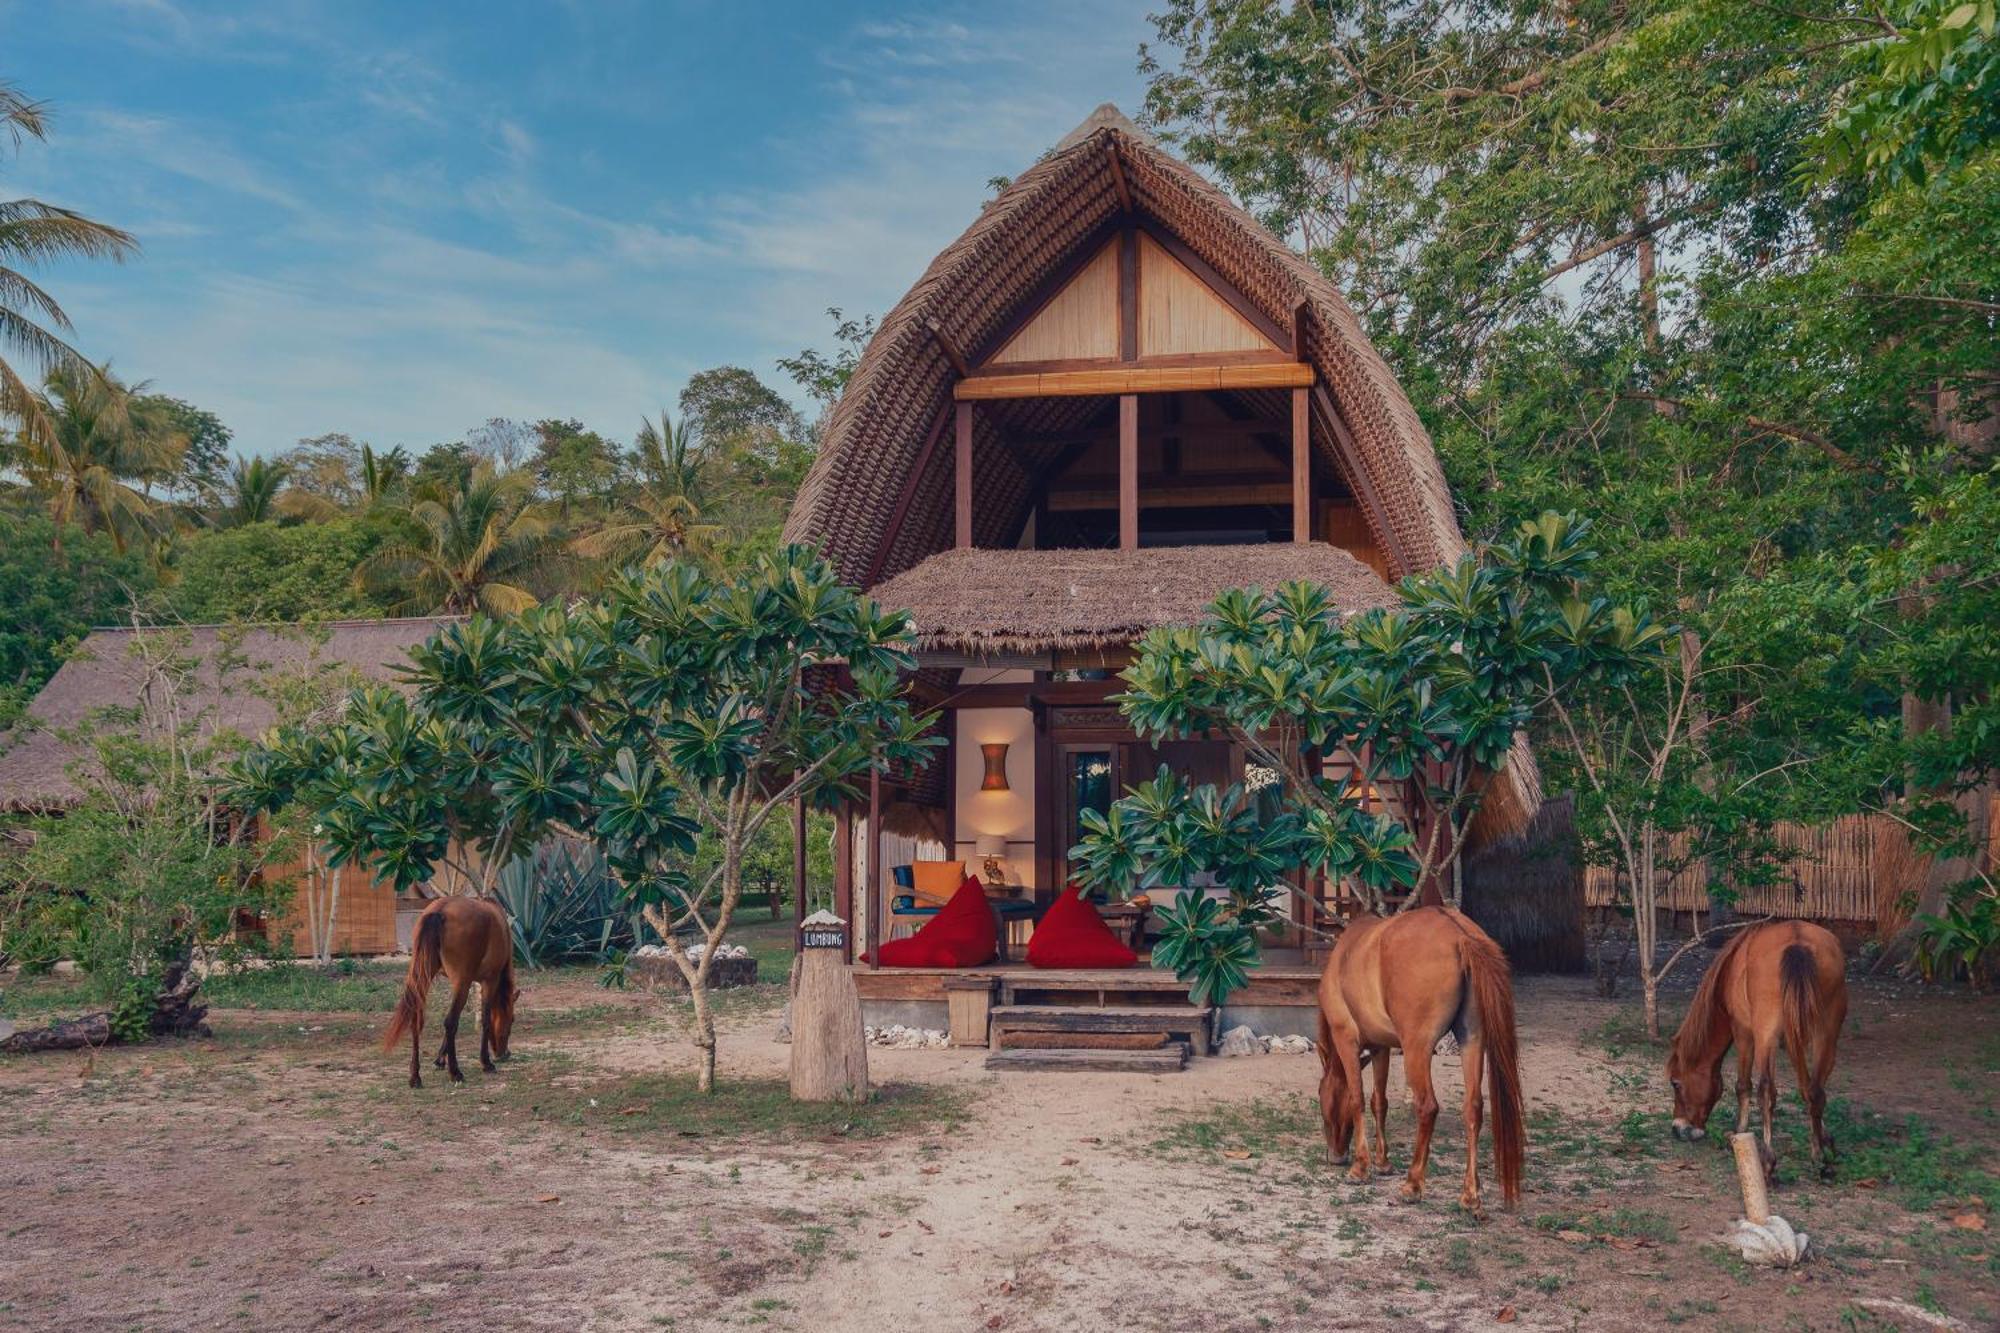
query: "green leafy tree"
679, 702
660, 519
275, 572
33, 328
97, 446
824, 375
1428, 697
206, 458
48, 606
574, 466
252, 490
461, 548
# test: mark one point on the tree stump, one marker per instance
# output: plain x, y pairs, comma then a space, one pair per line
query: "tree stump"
175, 1014
829, 1043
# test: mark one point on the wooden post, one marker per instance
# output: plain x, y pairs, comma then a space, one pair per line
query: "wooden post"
798, 861
843, 870
829, 1043
875, 900
1301, 466
1128, 472
962, 476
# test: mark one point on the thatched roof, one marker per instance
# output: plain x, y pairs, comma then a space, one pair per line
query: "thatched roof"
1054, 212
104, 673
984, 603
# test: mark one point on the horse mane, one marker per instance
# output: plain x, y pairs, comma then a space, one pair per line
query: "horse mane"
1701, 1010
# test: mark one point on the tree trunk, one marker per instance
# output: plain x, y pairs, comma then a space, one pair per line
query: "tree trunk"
829, 1043
704, 1027
175, 1014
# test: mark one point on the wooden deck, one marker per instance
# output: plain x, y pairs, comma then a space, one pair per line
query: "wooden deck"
1273, 984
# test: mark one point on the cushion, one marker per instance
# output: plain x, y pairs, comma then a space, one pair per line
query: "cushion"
1072, 934
937, 880
960, 935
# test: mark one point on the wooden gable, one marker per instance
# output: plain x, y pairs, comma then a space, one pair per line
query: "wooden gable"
1079, 323
1178, 315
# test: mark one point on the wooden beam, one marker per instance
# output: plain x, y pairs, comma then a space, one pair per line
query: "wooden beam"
1299, 313
910, 482
843, 871
877, 900
985, 387
1203, 431
1301, 466
950, 350
1118, 181
961, 477
798, 862
1128, 292
1360, 483
1128, 472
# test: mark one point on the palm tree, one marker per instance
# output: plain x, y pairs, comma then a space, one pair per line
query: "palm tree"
382, 475
659, 523
95, 437
254, 484
465, 547
32, 325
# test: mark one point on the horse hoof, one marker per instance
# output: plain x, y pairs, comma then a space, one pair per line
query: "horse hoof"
1358, 1173
490, 1068
457, 1077
1409, 1194
416, 1082
1469, 1204
1343, 1159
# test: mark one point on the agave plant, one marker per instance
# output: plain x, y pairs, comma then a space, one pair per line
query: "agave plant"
565, 906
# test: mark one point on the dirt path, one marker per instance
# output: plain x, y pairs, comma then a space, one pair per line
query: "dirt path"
282, 1177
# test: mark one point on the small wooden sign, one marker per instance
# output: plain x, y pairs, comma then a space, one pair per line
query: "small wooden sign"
823, 937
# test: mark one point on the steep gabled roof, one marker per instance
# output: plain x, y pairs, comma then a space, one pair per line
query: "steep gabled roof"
1053, 216
105, 673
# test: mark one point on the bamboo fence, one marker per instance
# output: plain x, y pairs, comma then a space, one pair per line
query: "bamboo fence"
1856, 868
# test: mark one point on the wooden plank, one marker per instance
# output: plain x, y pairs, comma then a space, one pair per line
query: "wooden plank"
798, 861
961, 477
1359, 481
1178, 312
1022, 1039
1301, 466
1128, 472
843, 872
1047, 290
1128, 293
1166, 1060
1081, 320
1118, 181
1215, 282
1194, 378
877, 901
950, 350
1090, 1018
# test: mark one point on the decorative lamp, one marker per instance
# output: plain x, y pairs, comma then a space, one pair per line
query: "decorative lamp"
991, 846
996, 766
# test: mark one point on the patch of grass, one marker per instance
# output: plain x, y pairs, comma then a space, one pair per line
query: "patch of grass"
348, 986
1922, 1163
1282, 1128
1623, 1033
48, 993
1632, 1223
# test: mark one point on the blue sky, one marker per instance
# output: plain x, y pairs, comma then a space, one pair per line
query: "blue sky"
400, 219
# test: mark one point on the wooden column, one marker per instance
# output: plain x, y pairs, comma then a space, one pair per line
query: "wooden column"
1128, 472
799, 860
876, 900
843, 872
1301, 466
962, 476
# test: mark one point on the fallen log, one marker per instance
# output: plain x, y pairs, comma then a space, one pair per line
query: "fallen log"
175, 1014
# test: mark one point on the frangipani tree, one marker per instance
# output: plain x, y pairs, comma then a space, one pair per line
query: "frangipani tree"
1428, 699
680, 701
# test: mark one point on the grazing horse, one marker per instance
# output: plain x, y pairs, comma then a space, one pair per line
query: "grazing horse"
1779, 981
1401, 984
467, 939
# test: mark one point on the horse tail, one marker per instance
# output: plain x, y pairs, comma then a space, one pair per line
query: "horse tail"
1332, 1091
1798, 1003
426, 961
1492, 986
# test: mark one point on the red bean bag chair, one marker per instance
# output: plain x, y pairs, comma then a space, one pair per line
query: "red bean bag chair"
960, 935
1072, 934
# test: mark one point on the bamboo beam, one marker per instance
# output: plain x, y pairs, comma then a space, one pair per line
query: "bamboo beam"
1160, 379
1128, 472
1301, 466
1128, 292
962, 476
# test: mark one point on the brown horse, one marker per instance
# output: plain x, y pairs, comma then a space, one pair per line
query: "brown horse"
467, 939
1780, 981
1401, 984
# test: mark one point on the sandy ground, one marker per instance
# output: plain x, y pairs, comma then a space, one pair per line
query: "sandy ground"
281, 1176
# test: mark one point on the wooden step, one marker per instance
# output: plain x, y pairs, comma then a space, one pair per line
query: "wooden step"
1167, 1059
1021, 1038
1190, 1023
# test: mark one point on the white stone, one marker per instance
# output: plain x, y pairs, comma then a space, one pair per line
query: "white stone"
1239, 1040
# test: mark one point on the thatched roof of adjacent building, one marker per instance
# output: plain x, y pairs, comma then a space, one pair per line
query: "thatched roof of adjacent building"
1060, 208
987, 603
105, 673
